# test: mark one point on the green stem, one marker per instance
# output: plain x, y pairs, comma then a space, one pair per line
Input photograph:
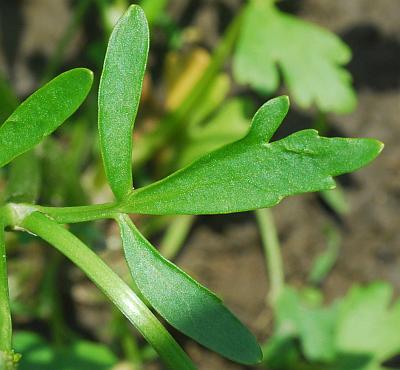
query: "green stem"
68, 215
172, 122
5, 315
111, 285
131, 350
272, 252
127, 341
8, 360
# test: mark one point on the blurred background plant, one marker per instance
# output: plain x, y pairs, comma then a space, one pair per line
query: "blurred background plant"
212, 63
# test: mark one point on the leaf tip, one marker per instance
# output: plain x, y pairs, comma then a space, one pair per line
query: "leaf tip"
85, 75
269, 117
355, 154
373, 147
136, 9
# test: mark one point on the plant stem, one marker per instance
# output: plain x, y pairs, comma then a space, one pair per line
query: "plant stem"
273, 258
112, 286
8, 360
67, 215
5, 316
325, 261
127, 340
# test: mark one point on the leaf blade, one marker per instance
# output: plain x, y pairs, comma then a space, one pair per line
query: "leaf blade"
252, 173
183, 302
43, 112
120, 294
119, 96
314, 72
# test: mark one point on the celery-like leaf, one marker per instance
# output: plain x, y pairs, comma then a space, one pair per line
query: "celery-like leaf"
309, 57
253, 173
368, 324
183, 302
119, 96
45, 110
359, 331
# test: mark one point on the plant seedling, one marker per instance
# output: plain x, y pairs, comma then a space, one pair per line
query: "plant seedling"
248, 174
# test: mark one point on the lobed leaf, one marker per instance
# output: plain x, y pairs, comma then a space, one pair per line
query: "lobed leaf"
309, 57
183, 302
252, 173
44, 111
359, 331
119, 96
369, 324
313, 325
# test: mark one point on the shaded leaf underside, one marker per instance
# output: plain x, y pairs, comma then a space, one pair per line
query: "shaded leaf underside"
183, 302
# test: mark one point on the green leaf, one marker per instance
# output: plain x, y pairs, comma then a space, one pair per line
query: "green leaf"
299, 317
183, 302
368, 324
119, 96
253, 173
358, 332
45, 110
309, 57
108, 282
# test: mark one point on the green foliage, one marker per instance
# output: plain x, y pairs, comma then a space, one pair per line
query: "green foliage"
109, 283
119, 96
368, 325
247, 174
358, 332
309, 57
325, 261
183, 302
45, 110
253, 173
80, 355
